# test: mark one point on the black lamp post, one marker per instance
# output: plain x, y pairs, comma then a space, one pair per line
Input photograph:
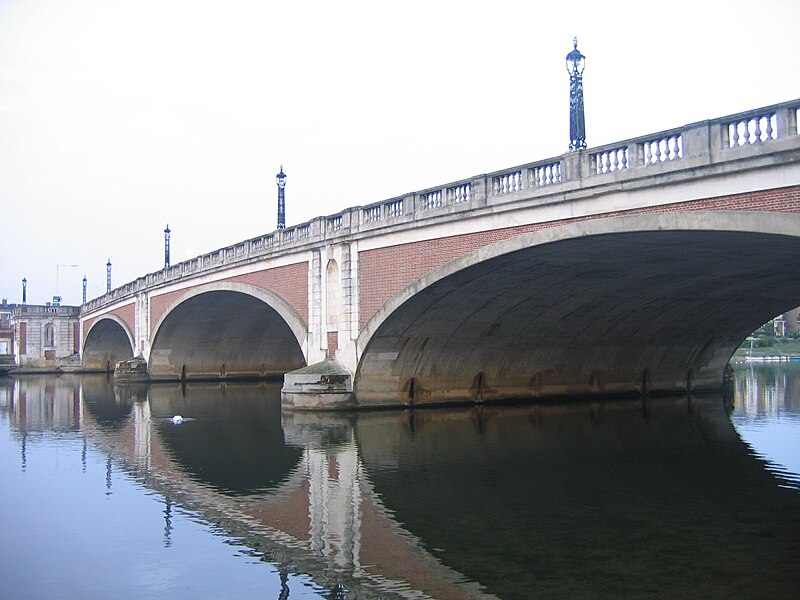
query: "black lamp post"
84, 289
24, 290
108, 275
576, 62
166, 246
280, 178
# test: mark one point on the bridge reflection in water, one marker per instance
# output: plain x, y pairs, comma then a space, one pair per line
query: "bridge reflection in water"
657, 498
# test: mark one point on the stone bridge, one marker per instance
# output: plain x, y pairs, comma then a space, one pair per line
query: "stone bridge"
638, 265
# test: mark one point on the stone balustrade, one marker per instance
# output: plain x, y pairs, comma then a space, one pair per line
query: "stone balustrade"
31, 310
732, 138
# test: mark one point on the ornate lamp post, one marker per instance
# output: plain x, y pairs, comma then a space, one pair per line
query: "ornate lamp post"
84, 289
166, 247
24, 290
577, 123
280, 178
108, 275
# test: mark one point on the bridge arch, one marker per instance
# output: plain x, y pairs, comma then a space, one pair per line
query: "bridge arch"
227, 330
601, 306
108, 341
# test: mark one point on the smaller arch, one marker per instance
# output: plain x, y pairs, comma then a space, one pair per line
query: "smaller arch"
478, 386
278, 304
644, 388
596, 383
410, 389
226, 330
536, 383
108, 341
115, 319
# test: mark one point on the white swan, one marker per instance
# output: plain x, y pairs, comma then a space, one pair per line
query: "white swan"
177, 419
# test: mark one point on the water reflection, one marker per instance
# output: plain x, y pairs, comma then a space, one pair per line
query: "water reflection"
767, 416
655, 498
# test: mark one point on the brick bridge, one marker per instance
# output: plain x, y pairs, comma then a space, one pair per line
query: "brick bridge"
639, 264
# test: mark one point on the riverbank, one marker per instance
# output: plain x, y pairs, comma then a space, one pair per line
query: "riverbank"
783, 349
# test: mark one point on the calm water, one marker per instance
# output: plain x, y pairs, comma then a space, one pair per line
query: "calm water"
102, 495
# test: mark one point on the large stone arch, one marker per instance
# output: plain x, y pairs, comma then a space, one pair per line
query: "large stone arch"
227, 330
605, 306
108, 341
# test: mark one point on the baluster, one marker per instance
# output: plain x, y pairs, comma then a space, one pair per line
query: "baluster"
757, 129
769, 129
734, 134
612, 166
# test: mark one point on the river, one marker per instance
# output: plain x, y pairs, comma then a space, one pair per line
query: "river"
103, 495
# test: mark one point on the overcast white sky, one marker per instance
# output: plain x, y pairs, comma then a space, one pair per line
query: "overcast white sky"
120, 116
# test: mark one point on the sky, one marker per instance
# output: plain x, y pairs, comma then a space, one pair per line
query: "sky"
118, 117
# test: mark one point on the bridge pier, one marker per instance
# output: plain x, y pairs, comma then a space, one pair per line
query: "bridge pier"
322, 386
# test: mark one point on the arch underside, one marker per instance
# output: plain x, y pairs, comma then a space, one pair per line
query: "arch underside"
223, 334
600, 314
106, 344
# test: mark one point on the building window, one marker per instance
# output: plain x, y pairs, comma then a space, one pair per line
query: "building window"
49, 335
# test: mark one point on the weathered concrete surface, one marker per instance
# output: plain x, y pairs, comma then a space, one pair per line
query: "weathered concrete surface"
322, 386
661, 304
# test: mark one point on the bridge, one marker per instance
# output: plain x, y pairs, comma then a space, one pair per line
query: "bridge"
632, 267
